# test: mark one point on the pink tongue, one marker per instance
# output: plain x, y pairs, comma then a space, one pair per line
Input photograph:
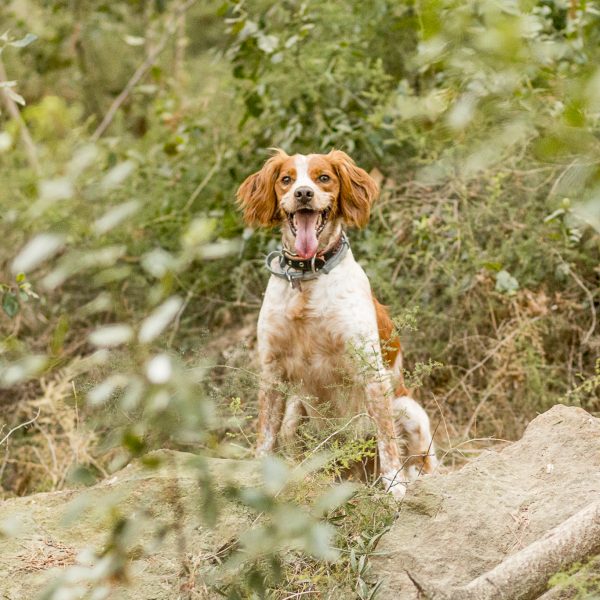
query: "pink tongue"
306, 233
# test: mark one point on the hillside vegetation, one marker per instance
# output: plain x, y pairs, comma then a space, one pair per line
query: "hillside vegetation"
129, 287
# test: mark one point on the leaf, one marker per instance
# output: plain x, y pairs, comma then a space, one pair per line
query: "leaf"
375, 589
267, 43
36, 251
10, 304
155, 324
14, 96
353, 561
111, 335
115, 216
254, 104
506, 283
275, 474
337, 496
25, 41
133, 442
493, 266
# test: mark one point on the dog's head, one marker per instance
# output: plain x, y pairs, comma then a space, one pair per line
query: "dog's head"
310, 196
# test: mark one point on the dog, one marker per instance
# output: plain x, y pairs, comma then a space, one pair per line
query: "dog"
323, 338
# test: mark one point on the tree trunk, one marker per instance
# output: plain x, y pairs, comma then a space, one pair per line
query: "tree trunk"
525, 574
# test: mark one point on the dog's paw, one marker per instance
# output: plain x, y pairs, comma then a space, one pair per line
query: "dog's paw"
395, 484
261, 452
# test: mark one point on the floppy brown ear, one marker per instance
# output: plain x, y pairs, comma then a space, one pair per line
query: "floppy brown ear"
256, 195
358, 189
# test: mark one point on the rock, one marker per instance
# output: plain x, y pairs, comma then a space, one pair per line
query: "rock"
53, 528
452, 528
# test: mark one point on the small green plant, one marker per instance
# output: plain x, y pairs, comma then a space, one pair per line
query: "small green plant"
416, 378
581, 582
15, 293
408, 320
587, 389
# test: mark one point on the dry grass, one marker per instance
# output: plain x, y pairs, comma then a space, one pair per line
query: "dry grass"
40, 456
42, 554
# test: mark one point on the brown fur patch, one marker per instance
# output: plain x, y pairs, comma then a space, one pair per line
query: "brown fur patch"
257, 196
390, 342
358, 189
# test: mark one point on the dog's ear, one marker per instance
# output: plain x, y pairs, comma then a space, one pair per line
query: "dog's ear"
256, 195
358, 189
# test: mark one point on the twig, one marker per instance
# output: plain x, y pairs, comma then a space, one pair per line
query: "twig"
19, 427
178, 317
489, 355
141, 71
589, 295
478, 408
485, 439
203, 184
319, 446
303, 593
14, 112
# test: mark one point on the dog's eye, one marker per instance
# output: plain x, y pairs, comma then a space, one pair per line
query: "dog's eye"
285, 180
324, 178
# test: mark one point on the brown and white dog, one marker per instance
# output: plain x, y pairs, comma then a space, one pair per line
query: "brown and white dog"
326, 337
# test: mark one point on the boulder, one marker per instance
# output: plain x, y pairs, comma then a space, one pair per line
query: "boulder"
453, 528
54, 530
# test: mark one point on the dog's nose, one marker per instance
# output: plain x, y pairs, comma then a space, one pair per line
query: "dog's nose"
304, 195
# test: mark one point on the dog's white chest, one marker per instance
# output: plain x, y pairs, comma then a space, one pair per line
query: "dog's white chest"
313, 338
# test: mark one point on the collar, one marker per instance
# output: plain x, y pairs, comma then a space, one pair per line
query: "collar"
297, 270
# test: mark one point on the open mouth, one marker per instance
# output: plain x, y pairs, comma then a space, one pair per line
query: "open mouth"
297, 219
307, 225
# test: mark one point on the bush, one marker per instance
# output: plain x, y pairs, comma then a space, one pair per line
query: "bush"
127, 276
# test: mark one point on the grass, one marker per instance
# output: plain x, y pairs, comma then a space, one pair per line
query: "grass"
490, 274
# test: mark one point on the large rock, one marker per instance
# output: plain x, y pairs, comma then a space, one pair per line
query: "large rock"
53, 528
453, 528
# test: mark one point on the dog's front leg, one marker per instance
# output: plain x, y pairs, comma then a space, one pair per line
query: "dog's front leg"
379, 405
271, 405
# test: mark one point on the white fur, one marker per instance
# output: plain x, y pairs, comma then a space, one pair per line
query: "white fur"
336, 306
302, 176
322, 343
413, 421
321, 198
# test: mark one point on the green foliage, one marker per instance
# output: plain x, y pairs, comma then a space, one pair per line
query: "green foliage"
125, 256
581, 582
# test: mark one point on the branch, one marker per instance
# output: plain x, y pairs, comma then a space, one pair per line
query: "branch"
19, 427
15, 113
141, 71
526, 574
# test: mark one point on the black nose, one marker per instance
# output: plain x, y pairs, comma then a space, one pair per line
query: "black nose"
303, 194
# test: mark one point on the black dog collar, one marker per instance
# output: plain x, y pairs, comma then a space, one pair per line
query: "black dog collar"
317, 262
296, 270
